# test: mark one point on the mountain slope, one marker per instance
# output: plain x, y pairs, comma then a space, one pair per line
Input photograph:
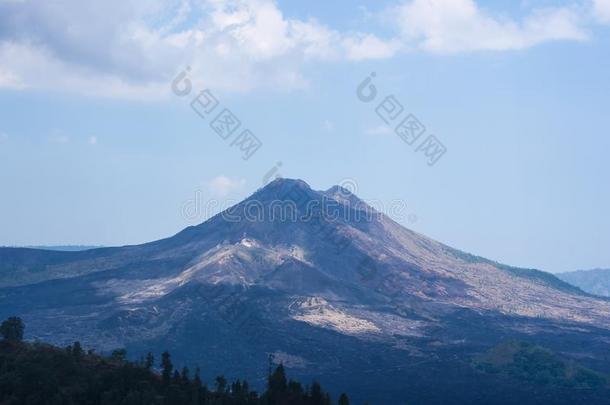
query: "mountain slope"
316, 277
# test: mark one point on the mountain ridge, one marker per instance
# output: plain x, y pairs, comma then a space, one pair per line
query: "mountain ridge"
284, 190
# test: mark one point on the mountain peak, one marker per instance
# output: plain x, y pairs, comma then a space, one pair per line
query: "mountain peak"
282, 188
339, 189
336, 191
344, 196
285, 182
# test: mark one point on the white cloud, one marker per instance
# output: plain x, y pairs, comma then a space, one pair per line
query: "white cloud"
448, 26
9, 80
133, 48
601, 10
317, 41
92, 140
370, 47
258, 27
222, 186
380, 130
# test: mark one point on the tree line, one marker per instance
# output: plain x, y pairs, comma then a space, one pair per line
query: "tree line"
38, 373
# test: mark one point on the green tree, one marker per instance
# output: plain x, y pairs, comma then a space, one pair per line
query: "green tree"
12, 329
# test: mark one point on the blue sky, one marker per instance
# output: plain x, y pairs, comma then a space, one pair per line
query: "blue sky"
96, 149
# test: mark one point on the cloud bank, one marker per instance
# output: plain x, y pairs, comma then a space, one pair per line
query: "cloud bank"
450, 26
133, 48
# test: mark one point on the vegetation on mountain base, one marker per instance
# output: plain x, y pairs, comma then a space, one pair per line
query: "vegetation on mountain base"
535, 364
38, 373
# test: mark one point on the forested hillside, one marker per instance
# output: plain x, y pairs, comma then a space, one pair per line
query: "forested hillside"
38, 373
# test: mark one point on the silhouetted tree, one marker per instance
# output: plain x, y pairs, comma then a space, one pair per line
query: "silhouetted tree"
343, 399
197, 378
176, 379
196, 391
245, 391
277, 385
277, 380
150, 361
316, 395
77, 350
12, 329
236, 390
295, 389
221, 384
119, 355
166, 367
185, 376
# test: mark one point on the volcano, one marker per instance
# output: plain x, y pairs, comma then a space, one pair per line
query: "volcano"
322, 282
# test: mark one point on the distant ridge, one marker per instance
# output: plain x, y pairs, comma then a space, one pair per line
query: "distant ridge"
66, 248
596, 281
